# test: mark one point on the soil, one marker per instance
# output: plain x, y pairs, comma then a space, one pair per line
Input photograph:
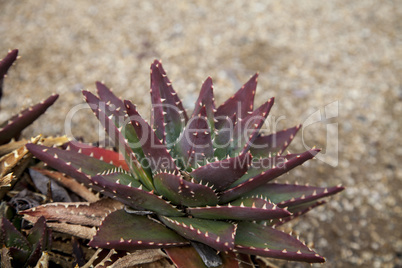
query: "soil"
341, 58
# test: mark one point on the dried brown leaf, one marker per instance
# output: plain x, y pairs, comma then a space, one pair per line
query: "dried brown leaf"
81, 213
70, 184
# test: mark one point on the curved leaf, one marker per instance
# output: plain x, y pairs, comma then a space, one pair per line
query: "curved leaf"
133, 194
216, 234
221, 174
182, 192
266, 176
241, 103
13, 127
250, 209
123, 231
274, 144
256, 239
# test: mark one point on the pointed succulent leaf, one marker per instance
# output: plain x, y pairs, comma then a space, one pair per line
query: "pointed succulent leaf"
134, 196
105, 155
206, 99
80, 213
224, 136
261, 165
74, 164
108, 97
289, 195
155, 151
118, 139
168, 114
182, 192
242, 209
222, 174
274, 144
13, 127
247, 128
297, 211
256, 239
266, 176
5, 64
123, 231
11, 237
195, 143
40, 238
240, 103
115, 109
216, 234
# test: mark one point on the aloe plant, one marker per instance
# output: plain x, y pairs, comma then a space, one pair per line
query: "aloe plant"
203, 180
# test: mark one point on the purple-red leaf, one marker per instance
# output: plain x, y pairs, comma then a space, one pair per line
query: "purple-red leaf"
155, 151
13, 127
123, 231
266, 176
195, 143
240, 103
74, 164
206, 99
182, 192
114, 131
5, 64
105, 155
289, 195
256, 239
273, 144
216, 234
133, 194
252, 209
222, 174
168, 115
247, 128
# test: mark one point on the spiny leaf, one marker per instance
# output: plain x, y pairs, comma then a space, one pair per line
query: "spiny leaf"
273, 144
247, 128
81, 213
195, 143
133, 195
206, 99
105, 155
13, 126
242, 209
297, 211
240, 103
224, 137
134, 232
76, 165
40, 238
118, 139
155, 151
266, 176
288, 195
216, 234
182, 192
168, 115
256, 239
222, 174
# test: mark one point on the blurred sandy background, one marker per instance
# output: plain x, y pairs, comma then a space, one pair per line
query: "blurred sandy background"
309, 54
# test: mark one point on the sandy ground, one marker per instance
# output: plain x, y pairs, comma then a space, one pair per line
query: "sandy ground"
340, 58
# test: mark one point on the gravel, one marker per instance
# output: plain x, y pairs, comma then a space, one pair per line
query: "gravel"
338, 60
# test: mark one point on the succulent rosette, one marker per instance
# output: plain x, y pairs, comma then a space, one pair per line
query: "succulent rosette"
190, 180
